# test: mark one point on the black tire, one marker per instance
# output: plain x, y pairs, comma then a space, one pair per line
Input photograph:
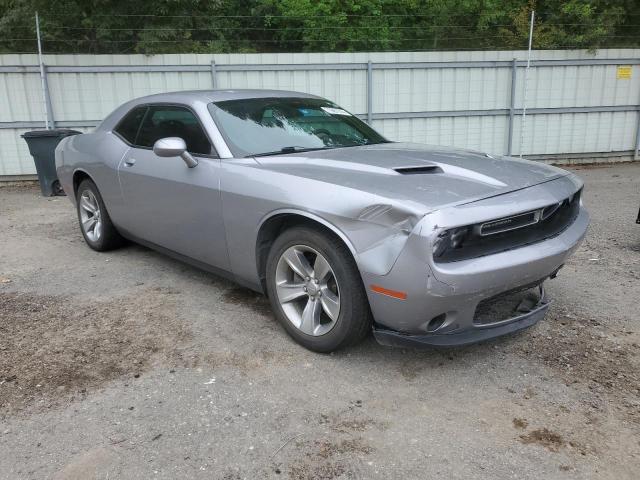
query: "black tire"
354, 319
109, 238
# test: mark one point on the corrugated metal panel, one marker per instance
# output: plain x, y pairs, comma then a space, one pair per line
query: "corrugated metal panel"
92, 96
486, 134
16, 159
21, 97
81, 97
15, 154
578, 133
441, 89
578, 86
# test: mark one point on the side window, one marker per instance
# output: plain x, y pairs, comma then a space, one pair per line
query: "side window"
129, 125
170, 121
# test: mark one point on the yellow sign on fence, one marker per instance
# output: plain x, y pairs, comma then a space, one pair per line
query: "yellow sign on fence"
623, 72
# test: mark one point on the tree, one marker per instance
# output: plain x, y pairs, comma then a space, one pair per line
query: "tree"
568, 24
166, 26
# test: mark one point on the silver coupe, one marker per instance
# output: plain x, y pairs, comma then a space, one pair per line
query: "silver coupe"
346, 232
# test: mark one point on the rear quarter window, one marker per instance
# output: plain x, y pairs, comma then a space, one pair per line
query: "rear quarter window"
130, 124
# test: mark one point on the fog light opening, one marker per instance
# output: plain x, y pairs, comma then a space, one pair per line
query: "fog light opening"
436, 322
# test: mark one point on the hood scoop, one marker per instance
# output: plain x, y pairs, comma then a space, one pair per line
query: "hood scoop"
419, 170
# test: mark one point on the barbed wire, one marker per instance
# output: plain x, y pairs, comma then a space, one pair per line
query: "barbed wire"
393, 39
328, 27
275, 29
141, 45
331, 16
132, 50
127, 39
260, 40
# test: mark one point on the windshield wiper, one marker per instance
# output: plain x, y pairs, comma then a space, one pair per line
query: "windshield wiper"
285, 150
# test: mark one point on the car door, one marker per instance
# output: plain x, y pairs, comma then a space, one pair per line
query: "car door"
167, 203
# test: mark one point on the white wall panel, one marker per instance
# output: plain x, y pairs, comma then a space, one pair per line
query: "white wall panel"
87, 97
416, 90
577, 133
486, 133
578, 86
20, 97
16, 159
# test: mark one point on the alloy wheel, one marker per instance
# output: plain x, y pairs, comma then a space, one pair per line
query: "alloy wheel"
90, 217
307, 290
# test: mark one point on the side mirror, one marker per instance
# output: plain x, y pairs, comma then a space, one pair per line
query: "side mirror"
174, 147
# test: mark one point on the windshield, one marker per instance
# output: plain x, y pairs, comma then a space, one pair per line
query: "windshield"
269, 126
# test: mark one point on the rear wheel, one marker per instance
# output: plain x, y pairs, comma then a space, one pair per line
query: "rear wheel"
95, 223
315, 290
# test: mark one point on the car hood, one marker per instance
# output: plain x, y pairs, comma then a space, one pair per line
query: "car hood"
431, 176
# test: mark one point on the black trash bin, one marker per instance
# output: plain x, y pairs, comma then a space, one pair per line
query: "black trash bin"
42, 145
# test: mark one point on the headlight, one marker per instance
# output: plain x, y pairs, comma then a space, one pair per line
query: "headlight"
449, 239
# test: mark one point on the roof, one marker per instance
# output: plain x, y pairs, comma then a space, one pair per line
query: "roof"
221, 95
190, 97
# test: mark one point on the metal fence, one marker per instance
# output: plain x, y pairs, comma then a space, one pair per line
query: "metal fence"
578, 104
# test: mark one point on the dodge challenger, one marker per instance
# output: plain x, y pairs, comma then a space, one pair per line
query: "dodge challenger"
345, 231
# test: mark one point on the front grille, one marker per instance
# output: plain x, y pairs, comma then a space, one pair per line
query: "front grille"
510, 223
516, 231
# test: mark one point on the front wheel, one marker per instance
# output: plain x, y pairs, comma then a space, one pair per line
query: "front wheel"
315, 290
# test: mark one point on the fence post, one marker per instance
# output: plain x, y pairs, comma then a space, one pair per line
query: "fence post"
636, 156
47, 97
213, 73
512, 105
369, 92
526, 84
48, 110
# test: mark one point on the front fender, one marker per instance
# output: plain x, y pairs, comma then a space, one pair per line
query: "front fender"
310, 216
375, 242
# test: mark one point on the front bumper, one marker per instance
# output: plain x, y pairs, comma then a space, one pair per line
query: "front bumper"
466, 337
454, 290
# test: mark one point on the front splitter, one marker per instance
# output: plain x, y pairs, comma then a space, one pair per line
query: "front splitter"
466, 337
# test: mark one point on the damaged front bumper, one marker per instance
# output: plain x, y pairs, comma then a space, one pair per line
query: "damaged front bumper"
479, 333
441, 302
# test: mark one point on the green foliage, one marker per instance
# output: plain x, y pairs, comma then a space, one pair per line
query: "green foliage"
206, 26
572, 24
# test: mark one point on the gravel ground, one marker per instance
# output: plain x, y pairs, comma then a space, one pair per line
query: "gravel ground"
133, 365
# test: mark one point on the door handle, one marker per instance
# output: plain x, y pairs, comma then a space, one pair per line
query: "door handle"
130, 162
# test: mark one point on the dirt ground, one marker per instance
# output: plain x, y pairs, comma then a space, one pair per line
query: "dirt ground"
133, 365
